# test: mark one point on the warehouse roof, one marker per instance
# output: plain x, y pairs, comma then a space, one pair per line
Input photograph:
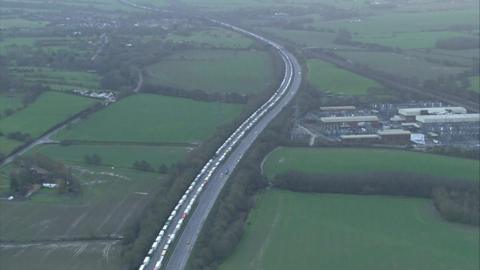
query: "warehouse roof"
391, 132
340, 119
433, 110
337, 108
359, 136
448, 118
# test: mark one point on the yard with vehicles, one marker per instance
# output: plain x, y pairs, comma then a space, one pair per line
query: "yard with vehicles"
288, 230
327, 77
215, 71
152, 118
358, 160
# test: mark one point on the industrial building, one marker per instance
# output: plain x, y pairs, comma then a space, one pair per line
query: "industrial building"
338, 108
407, 112
349, 119
448, 118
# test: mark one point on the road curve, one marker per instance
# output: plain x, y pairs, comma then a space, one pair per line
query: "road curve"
173, 245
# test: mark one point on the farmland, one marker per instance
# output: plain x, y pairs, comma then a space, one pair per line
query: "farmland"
40, 116
352, 160
114, 155
78, 255
12, 102
153, 119
328, 77
109, 202
311, 231
409, 66
475, 83
215, 37
61, 80
20, 23
222, 71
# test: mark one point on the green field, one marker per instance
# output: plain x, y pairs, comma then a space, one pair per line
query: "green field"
116, 155
60, 80
245, 72
215, 37
9, 102
110, 200
154, 118
475, 83
311, 231
41, 115
328, 77
411, 40
103, 255
398, 22
352, 160
20, 23
402, 65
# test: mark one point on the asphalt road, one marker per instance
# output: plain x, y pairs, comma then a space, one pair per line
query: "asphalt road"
174, 253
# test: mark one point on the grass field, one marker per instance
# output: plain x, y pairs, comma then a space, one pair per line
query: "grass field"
311, 231
411, 40
351, 160
325, 76
154, 118
245, 72
401, 65
7, 145
9, 102
304, 38
110, 200
39, 116
116, 155
475, 83
61, 80
103, 255
20, 23
398, 22
215, 37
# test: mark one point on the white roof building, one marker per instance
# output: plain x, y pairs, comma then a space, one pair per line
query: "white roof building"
448, 118
347, 119
434, 110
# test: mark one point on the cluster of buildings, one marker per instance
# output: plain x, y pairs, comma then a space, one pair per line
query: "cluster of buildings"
419, 124
107, 96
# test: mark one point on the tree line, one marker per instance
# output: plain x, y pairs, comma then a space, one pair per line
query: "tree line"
456, 199
225, 224
33, 171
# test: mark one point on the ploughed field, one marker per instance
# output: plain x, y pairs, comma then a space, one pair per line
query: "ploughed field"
290, 230
353, 160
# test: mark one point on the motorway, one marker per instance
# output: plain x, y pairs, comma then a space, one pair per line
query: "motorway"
173, 245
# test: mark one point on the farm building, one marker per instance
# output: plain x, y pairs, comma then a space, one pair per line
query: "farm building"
448, 118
